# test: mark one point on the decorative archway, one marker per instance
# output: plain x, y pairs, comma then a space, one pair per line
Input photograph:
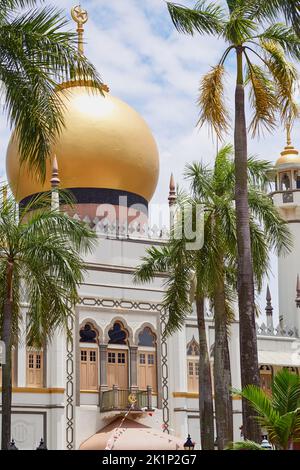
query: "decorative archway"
125, 325
89, 332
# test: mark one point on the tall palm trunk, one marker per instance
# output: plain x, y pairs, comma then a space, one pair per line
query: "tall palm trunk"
6, 374
248, 340
205, 384
222, 372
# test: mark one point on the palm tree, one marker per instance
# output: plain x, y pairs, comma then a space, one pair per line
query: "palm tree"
39, 252
35, 55
213, 267
184, 286
262, 51
278, 414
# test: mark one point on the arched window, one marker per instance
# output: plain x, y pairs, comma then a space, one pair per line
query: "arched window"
286, 183
193, 348
117, 356
193, 352
117, 334
88, 334
147, 369
147, 338
266, 377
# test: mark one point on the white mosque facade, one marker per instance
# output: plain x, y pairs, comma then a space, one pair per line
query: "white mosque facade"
73, 388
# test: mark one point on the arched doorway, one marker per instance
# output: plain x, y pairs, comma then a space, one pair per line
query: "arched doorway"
88, 358
117, 356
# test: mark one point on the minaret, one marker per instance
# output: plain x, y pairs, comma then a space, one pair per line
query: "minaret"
286, 198
172, 200
269, 311
55, 181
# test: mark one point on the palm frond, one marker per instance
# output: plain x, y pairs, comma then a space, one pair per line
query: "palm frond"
239, 28
285, 36
204, 18
157, 260
263, 99
35, 55
277, 234
200, 177
245, 445
285, 77
286, 392
258, 172
211, 101
273, 9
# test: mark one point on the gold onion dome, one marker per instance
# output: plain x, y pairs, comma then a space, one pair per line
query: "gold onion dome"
104, 145
290, 155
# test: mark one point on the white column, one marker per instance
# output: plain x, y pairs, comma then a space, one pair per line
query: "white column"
56, 361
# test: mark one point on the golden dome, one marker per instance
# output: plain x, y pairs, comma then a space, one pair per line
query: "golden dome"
105, 144
290, 155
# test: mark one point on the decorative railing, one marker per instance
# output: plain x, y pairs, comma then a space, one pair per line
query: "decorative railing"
280, 330
123, 399
133, 230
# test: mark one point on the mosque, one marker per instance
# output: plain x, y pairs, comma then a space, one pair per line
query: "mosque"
118, 383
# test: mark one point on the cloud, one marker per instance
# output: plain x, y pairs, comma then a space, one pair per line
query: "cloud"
157, 71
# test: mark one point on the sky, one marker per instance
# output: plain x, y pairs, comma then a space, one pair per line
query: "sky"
157, 71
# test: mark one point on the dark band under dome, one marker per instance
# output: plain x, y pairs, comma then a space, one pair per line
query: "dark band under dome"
101, 196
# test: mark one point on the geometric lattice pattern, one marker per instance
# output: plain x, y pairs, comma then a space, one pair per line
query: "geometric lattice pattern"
119, 304
70, 405
165, 373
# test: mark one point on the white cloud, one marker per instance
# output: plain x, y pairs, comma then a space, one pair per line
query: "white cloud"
148, 64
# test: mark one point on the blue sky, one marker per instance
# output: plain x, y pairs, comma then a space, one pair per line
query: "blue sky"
148, 64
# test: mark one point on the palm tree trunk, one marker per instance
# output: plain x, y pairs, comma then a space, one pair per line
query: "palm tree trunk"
248, 340
205, 384
222, 372
6, 374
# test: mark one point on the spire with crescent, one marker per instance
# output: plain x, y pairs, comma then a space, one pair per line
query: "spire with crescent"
80, 17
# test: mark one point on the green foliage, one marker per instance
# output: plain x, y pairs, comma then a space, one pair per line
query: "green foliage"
191, 273
245, 445
204, 18
244, 27
36, 54
278, 414
43, 245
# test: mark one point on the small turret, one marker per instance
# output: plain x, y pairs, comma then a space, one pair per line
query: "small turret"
172, 200
269, 310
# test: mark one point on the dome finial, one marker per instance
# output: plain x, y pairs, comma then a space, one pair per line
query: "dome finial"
288, 134
80, 17
55, 178
172, 191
